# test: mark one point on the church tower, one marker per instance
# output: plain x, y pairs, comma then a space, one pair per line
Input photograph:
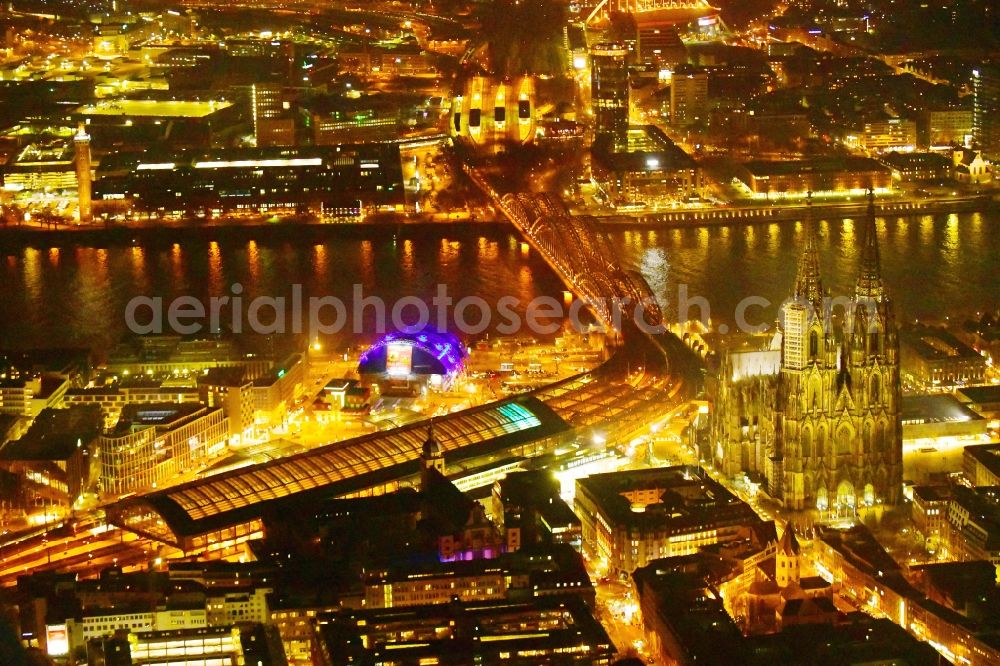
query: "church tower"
809, 359
870, 386
787, 558
805, 331
432, 457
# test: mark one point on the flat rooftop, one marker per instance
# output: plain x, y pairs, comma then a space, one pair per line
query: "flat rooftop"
158, 414
932, 493
942, 408
933, 343
761, 168
486, 632
859, 547
154, 108
684, 495
56, 434
55, 360
983, 505
987, 455
981, 395
860, 639
649, 149
916, 160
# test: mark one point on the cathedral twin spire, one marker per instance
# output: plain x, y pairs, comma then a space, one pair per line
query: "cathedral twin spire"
869, 285
808, 282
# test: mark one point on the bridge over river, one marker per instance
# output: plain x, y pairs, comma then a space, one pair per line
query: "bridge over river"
647, 373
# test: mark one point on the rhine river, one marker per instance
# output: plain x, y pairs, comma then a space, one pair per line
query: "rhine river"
76, 295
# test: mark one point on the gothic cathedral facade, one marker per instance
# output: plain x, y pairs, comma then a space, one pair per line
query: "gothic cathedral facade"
824, 431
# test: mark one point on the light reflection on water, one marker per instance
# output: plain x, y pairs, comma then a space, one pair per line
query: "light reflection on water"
76, 296
933, 266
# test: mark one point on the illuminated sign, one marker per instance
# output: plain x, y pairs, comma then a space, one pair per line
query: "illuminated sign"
706, 21
159, 166
57, 639
398, 359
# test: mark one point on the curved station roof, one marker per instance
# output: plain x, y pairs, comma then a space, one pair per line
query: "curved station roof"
235, 497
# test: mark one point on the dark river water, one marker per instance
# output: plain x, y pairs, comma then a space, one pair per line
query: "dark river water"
934, 267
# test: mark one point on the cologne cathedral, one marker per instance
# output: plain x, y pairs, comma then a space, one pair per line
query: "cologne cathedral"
820, 426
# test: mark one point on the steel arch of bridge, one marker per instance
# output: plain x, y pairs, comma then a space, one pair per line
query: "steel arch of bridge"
606, 7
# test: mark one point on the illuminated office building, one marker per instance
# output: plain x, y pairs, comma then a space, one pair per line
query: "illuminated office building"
41, 168
276, 392
117, 125
549, 630
883, 136
945, 127
769, 179
934, 358
688, 96
53, 462
167, 356
631, 518
652, 171
986, 109
609, 92
153, 443
336, 181
273, 123
233, 391
112, 399
241, 644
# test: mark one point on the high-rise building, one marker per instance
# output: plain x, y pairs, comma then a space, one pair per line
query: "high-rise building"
688, 95
825, 431
81, 144
609, 92
660, 44
986, 109
944, 127
273, 123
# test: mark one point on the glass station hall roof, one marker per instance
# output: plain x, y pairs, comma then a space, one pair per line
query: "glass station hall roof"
231, 498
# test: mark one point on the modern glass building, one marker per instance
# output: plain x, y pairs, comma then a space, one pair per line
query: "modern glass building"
609, 92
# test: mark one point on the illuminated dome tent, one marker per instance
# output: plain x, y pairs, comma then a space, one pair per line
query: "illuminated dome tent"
401, 362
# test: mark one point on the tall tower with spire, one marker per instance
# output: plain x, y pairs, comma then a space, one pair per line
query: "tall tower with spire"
838, 434
808, 367
803, 317
870, 384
